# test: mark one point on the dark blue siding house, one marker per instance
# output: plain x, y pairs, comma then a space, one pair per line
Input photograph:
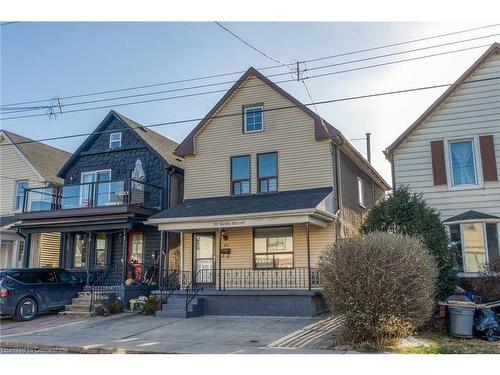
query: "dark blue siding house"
119, 176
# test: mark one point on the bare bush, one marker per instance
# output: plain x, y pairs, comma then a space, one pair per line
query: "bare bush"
384, 285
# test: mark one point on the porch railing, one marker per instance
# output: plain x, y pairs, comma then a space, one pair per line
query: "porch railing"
255, 279
94, 194
110, 277
172, 281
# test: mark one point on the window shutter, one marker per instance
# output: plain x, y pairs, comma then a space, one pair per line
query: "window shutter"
438, 163
488, 158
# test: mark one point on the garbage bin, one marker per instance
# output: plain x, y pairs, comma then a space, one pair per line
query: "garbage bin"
461, 320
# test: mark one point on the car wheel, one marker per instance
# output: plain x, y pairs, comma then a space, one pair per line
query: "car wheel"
26, 309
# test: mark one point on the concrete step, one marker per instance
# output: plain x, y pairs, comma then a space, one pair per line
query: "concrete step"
81, 308
176, 308
86, 300
76, 314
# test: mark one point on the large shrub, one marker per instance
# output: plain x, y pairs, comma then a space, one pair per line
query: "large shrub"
383, 284
407, 213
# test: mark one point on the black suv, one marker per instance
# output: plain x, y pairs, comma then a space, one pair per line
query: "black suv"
24, 292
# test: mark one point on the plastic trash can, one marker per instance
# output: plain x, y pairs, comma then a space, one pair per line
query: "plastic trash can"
461, 320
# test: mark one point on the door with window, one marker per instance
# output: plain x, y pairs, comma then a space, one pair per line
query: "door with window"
204, 257
135, 256
95, 189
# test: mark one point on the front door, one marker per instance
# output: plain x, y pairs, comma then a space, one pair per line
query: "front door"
204, 257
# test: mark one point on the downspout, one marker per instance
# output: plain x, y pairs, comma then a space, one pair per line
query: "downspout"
171, 171
337, 183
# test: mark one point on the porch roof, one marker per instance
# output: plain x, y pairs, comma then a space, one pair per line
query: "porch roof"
308, 205
471, 216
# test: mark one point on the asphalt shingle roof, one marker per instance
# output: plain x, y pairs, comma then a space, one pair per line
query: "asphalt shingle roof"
46, 159
470, 215
161, 144
248, 204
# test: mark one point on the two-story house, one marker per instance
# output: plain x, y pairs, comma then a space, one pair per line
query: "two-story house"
268, 186
451, 155
118, 177
25, 164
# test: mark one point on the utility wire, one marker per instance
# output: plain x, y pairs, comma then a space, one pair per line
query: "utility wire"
240, 72
401, 43
250, 45
224, 90
415, 89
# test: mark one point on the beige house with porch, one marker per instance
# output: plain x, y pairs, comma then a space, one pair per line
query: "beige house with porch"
268, 186
26, 164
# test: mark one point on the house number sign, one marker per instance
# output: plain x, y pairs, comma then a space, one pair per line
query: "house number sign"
228, 223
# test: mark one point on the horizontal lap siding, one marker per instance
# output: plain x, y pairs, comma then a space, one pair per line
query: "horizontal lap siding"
472, 110
13, 168
49, 249
302, 162
240, 241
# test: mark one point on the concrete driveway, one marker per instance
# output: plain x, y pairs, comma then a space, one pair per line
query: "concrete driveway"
208, 334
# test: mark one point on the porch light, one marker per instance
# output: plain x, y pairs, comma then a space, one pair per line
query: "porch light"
224, 235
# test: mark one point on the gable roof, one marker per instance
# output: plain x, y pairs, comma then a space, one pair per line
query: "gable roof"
322, 129
495, 47
162, 146
45, 159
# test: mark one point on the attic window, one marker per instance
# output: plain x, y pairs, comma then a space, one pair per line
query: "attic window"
115, 140
253, 119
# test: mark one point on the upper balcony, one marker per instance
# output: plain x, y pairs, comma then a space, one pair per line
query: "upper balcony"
131, 193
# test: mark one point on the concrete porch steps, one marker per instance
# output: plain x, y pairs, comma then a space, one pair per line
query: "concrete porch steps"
176, 307
80, 307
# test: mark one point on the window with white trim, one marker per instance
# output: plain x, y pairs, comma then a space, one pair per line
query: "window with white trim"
273, 247
115, 140
463, 163
253, 119
479, 243
361, 197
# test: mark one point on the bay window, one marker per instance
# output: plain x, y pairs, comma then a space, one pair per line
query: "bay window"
478, 242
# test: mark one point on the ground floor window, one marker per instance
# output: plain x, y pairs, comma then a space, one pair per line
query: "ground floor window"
20, 254
273, 247
101, 249
81, 248
479, 244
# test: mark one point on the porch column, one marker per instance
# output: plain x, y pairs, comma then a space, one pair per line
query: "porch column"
88, 257
161, 259
62, 251
220, 258
27, 250
124, 254
308, 257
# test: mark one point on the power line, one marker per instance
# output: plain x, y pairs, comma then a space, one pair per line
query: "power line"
240, 72
278, 109
401, 43
250, 45
224, 90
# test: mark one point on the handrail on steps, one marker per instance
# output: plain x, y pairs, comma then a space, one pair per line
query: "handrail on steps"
191, 290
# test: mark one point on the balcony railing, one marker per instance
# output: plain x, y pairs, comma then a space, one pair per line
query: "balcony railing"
94, 194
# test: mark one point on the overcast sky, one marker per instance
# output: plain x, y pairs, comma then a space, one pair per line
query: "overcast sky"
46, 60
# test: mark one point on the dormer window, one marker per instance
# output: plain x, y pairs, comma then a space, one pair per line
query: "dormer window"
253, 119
115, 140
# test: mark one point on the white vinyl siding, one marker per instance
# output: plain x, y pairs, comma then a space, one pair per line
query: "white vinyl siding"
412, 159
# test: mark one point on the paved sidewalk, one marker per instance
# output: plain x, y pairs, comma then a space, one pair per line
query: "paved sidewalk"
208, 334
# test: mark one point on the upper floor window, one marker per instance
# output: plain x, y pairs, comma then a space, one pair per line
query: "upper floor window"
240, 175
253, 119
21, 187
115, 140
361, 196
267, 167
462, 159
